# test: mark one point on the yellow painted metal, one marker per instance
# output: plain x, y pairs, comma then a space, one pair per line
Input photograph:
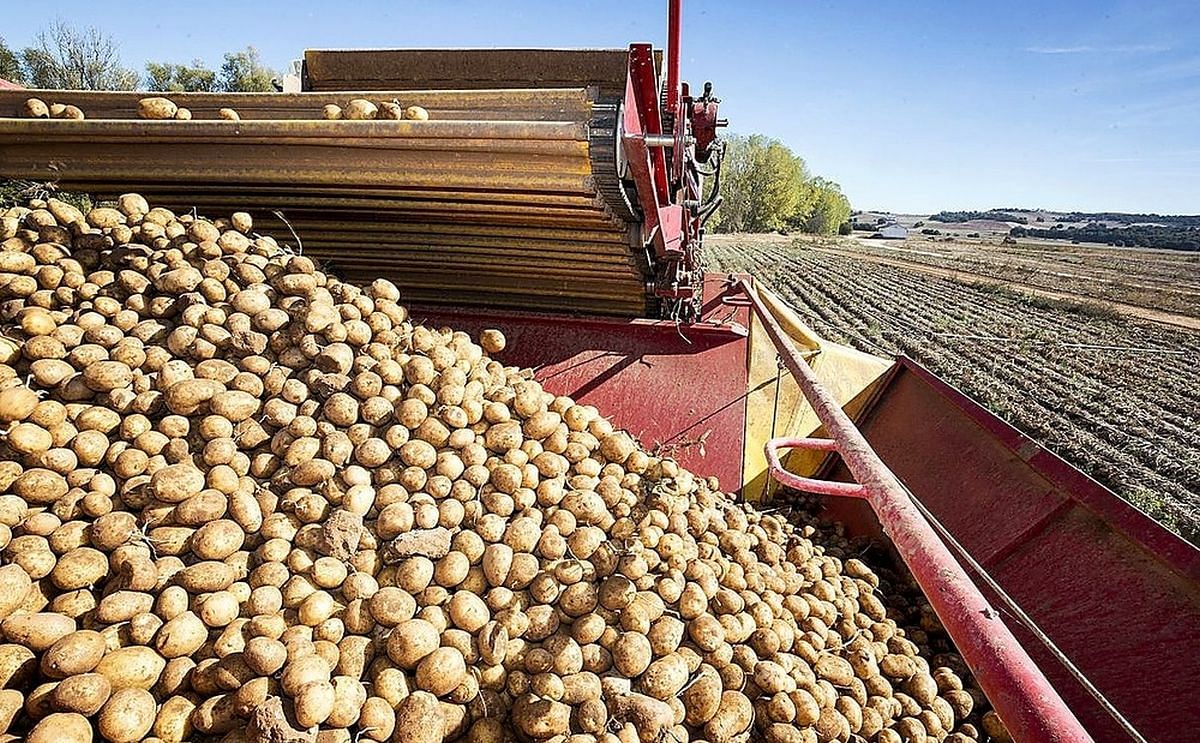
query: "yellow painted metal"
776, 409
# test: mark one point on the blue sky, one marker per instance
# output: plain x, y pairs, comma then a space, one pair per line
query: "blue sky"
914, 106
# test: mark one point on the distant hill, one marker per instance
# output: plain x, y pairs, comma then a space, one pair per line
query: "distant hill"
1169, 231
1108, 219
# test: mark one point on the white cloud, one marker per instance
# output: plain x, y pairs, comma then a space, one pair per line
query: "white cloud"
1087, 49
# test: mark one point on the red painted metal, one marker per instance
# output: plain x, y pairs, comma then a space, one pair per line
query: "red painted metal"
1016, 687
662, 165
679, 388
808, 484
674, 19
662, 220
1116, 592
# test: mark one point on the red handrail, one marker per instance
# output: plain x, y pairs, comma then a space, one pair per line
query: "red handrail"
1016, 687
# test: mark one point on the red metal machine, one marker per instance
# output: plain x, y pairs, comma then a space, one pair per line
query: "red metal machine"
559, 197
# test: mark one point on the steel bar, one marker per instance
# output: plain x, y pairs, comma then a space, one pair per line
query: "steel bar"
1016, 687
674, 20
808, 484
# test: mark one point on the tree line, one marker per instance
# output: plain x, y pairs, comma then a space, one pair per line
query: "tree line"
1143, 236
967, 216
767, 187
85, 58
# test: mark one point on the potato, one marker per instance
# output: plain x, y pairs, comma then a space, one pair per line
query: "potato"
61, 727
18, 403
105, 376
217, 540
441, 671
733, 716
181, 636
75, 653
349, 697
182, 114
173, 721
28, 438
632, 654
156, 107
468, 611
663, 678
37, 631
127, 716
84, 693
11, 702
417, 113
245, 493
14, 585
377, 719
79, 568
540, 718
314, 703
411, 641
35, 108
418, 719
359, 108
132, 667
17, 665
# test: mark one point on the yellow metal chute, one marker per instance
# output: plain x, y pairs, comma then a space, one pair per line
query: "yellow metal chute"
774, 404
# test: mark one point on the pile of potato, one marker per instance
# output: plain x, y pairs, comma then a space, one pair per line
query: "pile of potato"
360, 109
36, 108
245, 501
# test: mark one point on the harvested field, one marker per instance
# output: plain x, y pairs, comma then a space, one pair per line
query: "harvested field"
1166, 280
1118, 397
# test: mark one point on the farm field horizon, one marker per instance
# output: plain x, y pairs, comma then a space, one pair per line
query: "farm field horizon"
1091, 350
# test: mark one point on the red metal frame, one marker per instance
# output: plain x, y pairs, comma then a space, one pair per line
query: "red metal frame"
1165, 545
1077, 558
674, 20
669, 190
1016, 687
663, 221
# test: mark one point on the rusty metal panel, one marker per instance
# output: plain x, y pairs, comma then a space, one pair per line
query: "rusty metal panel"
463, 69
494, 212
1117, 592
671, 386
550, 104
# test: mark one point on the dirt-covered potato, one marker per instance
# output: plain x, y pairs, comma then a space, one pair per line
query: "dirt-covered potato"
157, 107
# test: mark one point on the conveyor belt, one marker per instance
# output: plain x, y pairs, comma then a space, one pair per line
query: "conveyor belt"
504, 198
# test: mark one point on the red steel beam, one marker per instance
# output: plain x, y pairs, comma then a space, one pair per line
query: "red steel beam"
674, 18
1016, 687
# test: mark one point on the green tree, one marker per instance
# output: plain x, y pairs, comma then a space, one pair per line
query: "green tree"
10, 64
765, 186
760, 180
244, 72
64, 56
178, 78
831, 209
